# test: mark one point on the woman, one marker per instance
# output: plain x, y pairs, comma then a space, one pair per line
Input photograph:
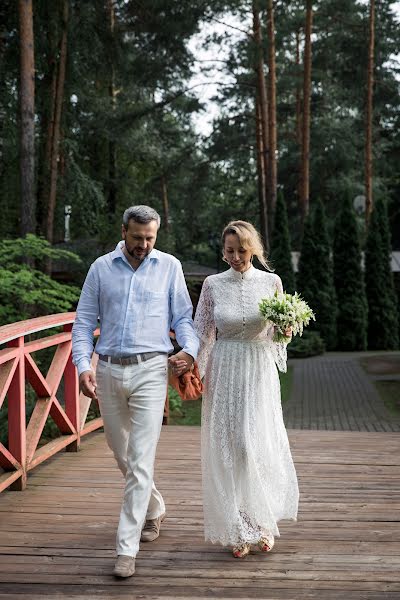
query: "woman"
249, 480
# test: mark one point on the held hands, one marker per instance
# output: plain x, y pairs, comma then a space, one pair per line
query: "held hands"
88, 385
180, 363
287, 332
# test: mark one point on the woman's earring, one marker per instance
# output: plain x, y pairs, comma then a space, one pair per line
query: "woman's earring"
251, 259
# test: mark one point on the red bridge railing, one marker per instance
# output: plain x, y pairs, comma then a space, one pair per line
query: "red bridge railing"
18, 366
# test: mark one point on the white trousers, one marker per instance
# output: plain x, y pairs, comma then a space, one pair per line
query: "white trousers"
132, 401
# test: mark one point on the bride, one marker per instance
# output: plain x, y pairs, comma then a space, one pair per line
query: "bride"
249, 480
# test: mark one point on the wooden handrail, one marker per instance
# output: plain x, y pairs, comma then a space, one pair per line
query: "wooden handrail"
17, 366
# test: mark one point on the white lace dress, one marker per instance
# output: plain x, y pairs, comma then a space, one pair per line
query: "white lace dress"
249, 480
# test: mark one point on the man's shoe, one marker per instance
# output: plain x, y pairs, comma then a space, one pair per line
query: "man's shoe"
151, 529
125, 566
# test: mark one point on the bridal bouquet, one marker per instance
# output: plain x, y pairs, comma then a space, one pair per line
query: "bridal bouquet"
286, 310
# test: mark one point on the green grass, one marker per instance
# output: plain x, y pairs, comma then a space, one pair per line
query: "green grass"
389, 391
189, 412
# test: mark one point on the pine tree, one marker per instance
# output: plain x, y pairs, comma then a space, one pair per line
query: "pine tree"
325, 300
281, 248
349, 283
307, 285
381, 296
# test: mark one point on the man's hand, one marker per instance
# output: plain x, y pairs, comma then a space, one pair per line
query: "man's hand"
88, 385
180, 363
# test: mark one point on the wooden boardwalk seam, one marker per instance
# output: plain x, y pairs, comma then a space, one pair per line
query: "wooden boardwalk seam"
57, 538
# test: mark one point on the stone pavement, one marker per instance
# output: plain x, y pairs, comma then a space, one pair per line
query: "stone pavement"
333, 392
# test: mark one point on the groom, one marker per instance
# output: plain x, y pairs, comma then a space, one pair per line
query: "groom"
139, 294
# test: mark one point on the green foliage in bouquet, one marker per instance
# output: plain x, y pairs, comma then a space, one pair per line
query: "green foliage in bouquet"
25, 291
286, 310
382, 300
281, 257
349, 282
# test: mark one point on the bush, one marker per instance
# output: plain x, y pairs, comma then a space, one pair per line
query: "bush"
381, 295
26, 291
309, 344
349, 282
281, 257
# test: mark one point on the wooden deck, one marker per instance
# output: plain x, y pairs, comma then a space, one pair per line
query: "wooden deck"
57, 537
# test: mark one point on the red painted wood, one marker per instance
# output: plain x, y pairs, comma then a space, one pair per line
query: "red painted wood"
17, 366
16, 414
58, 364
7, 371
47, 342
22, 328
7, 460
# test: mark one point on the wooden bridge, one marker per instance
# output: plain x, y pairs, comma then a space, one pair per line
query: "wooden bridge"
57, 537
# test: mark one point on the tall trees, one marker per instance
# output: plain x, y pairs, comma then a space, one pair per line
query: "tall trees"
273, 174
262, 131
305, 149
349, 282
27, 124
281, 246
382, 301
369, 112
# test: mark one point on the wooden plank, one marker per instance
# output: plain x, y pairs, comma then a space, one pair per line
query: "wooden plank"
57, 539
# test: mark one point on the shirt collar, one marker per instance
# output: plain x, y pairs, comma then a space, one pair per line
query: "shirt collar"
118, 253
246, 275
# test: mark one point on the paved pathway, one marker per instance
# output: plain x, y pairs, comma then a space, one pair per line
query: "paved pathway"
334, 392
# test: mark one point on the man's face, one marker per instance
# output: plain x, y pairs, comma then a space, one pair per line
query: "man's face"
139, 238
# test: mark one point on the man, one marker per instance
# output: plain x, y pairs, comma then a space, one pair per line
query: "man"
139, 293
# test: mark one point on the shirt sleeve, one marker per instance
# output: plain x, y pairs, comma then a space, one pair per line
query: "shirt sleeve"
181, 315
205, 326
87, 314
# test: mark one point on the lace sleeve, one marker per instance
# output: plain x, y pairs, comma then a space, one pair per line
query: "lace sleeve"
205, 326
279, 350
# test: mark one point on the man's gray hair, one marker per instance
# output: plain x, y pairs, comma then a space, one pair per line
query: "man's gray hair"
140, 214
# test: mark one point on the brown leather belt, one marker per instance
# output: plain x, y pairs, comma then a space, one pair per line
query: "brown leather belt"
130, 360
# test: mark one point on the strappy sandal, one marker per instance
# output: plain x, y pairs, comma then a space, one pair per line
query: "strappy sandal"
241, 551
266, 543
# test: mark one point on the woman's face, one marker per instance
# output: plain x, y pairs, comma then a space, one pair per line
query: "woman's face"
238, 257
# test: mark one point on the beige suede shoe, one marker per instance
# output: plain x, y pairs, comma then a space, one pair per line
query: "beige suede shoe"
125, 566
151, 529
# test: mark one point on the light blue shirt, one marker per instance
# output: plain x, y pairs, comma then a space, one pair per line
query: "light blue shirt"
137, 308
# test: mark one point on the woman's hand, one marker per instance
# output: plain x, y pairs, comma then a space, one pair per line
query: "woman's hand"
180, 363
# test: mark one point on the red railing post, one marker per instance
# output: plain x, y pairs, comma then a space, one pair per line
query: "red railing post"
71, 398
16, 415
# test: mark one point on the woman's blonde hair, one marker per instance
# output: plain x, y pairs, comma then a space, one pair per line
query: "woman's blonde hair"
249, 239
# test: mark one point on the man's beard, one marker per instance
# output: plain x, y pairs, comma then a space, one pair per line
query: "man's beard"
132, 251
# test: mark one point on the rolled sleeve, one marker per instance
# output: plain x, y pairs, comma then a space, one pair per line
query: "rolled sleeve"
181, 315
87, 314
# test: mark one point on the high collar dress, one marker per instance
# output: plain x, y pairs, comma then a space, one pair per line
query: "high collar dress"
249, 479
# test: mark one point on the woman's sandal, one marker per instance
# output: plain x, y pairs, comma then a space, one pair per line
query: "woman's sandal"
266, 543
241, 551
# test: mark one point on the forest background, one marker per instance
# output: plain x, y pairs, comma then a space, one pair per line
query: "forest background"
99, 111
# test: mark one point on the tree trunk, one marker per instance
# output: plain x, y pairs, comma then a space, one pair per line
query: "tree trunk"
369, 114
305, 154
165, 203
261, 172
263, 113
273, 167
27, 105
56, 128
50, 90
112, 149
298, 91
